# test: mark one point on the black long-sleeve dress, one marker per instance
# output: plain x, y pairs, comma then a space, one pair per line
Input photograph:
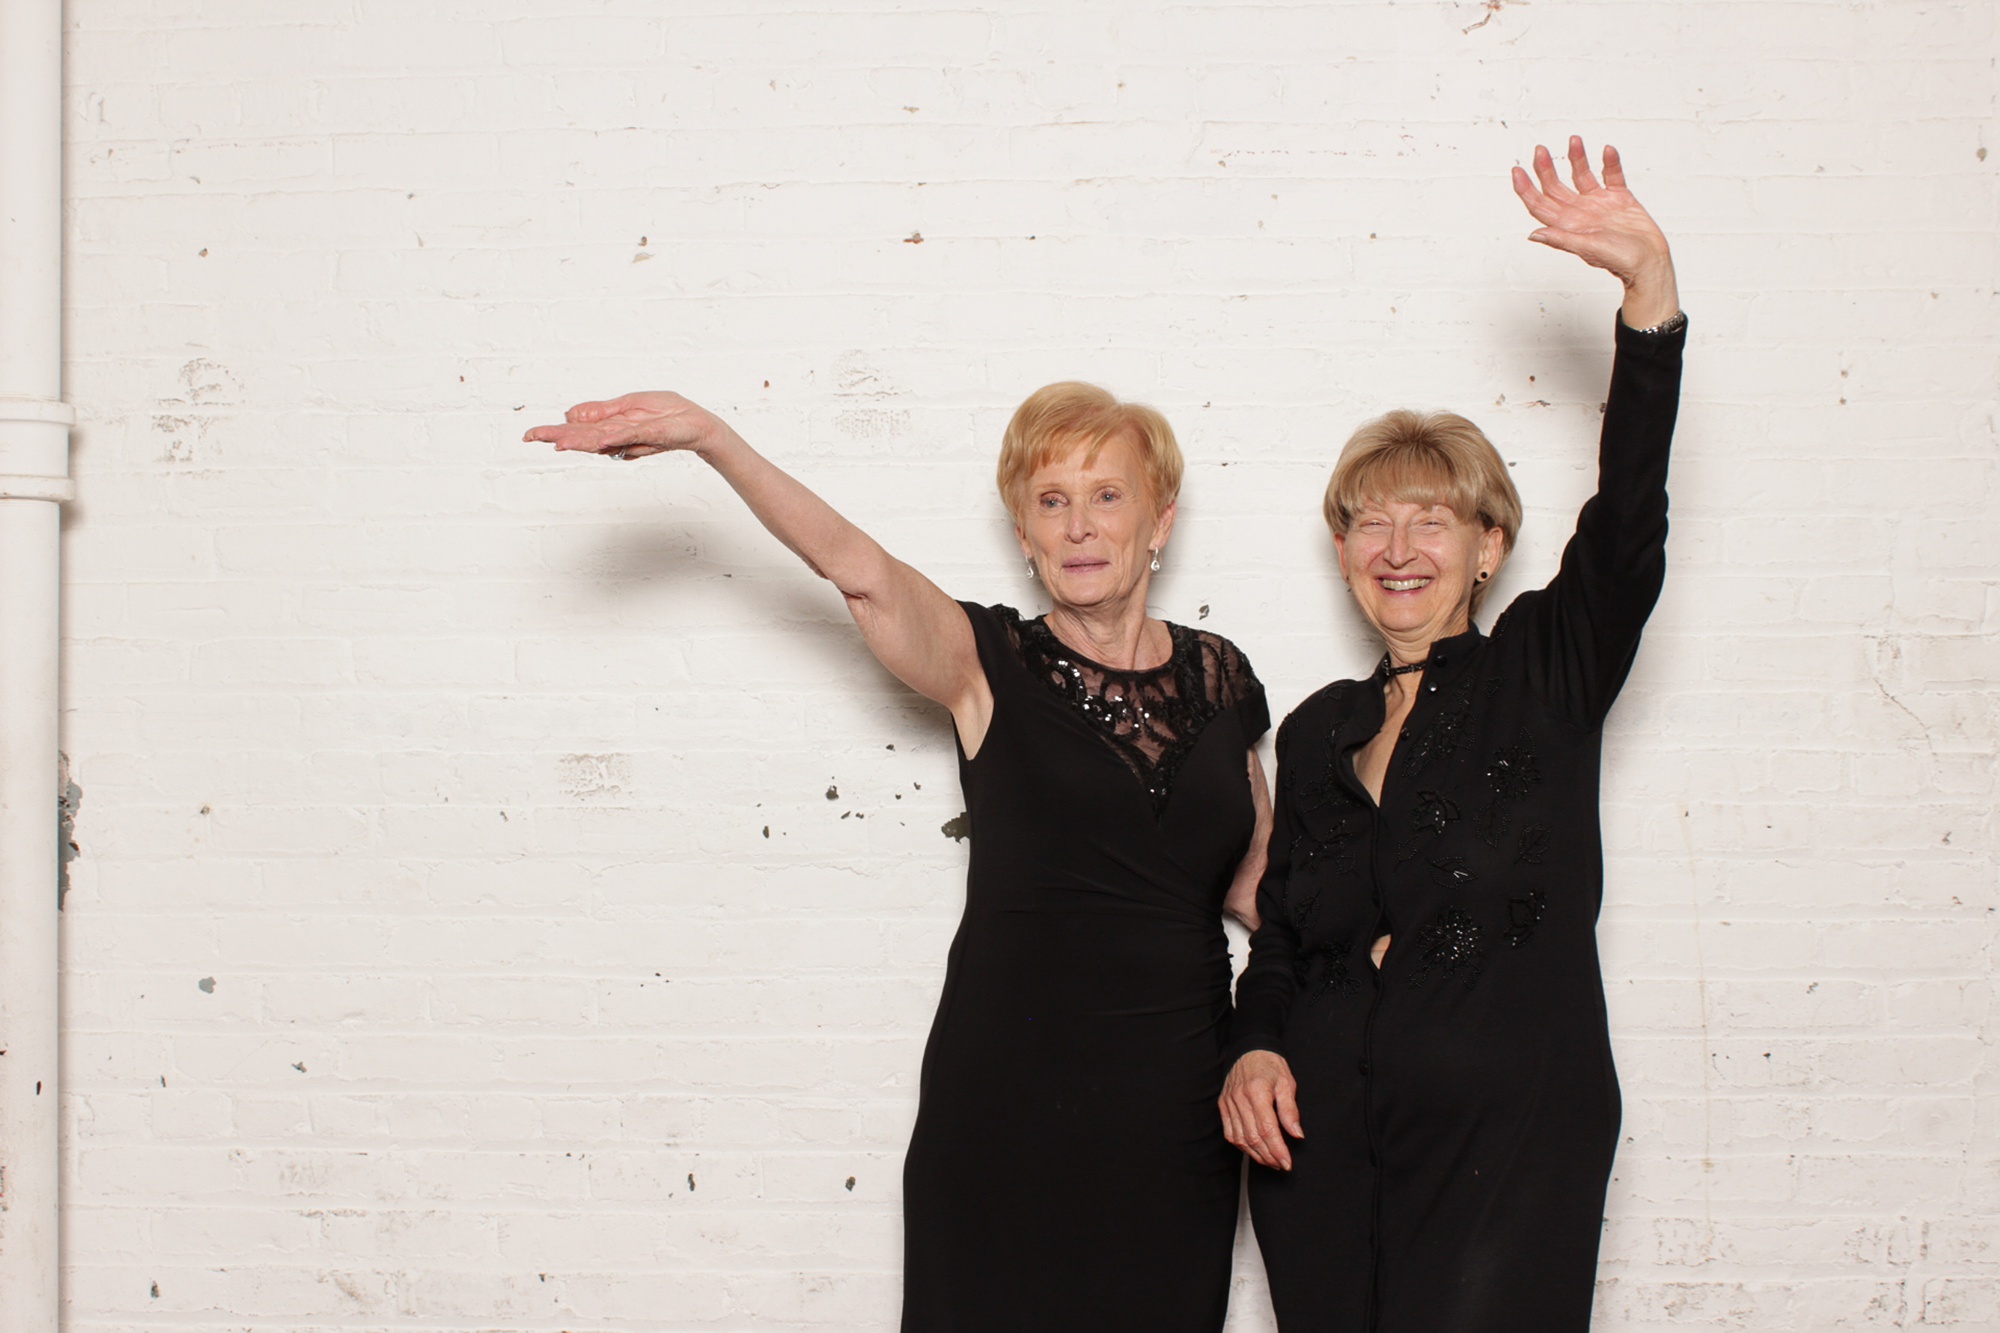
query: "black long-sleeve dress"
1460, 1105
1067, 1173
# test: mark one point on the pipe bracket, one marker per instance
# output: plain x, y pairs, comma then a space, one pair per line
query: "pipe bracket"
46, 411
52, 485
59, 489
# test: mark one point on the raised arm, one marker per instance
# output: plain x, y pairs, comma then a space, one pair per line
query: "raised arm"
1585, 626
915, 630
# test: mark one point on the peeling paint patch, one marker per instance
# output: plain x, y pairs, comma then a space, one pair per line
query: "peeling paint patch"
594, 777
871, 423
958, 826
207, 985
185, 417
1493, 8
69, 799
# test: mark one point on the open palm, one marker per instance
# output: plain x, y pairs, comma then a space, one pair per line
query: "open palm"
1597, 220
632, 426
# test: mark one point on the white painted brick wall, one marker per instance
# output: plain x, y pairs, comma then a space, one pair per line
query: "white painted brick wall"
428, 964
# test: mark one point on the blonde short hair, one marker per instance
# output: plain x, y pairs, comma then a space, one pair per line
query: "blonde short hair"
1058, 417
1425, 458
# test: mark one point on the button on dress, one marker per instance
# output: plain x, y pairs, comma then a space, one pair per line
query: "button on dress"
1460, 1105
1067, 1171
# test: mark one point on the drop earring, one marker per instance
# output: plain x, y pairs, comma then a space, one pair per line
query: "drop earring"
1031, 569
1156, 562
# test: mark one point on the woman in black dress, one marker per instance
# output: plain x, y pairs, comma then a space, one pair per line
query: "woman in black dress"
1066, 1171
1425, 1079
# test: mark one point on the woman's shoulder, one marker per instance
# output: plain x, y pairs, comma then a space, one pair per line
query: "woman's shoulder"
999, 631
1216, 669
1208, 643
1219, 659
999, 618
1516, 613
1325, 708
998, 612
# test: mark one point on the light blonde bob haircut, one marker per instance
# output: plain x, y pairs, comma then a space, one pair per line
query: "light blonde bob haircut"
1058, 418
1425, 458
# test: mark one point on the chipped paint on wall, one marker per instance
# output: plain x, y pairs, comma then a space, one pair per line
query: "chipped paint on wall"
69, 799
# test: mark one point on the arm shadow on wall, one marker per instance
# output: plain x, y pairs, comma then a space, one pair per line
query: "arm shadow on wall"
720, 577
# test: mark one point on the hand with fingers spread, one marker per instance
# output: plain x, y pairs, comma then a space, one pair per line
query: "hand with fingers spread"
1260, 1106
635, 425
1598, 220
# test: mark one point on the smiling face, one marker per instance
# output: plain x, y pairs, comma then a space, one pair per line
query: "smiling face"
1412, 566
1090, 527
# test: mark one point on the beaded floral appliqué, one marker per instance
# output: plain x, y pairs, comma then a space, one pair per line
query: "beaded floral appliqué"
1511, 774
1523, 915
1324, 969
1433, 814
1309, 850
1449, 731
1450, 946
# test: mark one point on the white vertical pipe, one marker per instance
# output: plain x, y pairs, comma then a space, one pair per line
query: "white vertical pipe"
34, 472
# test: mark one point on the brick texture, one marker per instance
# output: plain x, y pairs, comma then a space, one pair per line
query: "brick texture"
510, 897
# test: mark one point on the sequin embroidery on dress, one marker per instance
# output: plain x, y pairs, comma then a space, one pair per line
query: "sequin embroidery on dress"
1152, 718
1450, 946
1323, 969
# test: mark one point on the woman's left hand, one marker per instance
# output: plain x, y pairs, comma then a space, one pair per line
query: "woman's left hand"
1602, 224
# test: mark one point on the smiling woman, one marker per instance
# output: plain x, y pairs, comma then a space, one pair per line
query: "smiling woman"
1066, 1171
1425, 1082
1423, 515
1437, 465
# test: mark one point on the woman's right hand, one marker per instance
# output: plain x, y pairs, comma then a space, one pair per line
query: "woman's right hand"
1259, 1096
635, 426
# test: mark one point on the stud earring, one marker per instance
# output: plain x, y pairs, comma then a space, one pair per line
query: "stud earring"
1484, 575
1156, 562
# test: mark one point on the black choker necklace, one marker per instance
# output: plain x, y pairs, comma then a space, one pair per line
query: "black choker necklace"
1388, 669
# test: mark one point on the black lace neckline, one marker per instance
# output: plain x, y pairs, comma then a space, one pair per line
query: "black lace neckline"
1150, 717
1040, 626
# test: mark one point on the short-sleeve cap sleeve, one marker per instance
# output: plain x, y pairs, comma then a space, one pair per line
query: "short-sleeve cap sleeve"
1238, 689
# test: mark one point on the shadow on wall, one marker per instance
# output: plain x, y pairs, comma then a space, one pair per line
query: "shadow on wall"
729, 578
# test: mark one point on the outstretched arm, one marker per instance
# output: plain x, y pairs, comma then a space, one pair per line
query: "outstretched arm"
1602, 224
916, 631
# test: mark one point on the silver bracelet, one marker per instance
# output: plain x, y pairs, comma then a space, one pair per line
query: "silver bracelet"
1674, 323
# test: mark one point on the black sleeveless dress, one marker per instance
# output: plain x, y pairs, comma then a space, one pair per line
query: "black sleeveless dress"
1068, 1170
